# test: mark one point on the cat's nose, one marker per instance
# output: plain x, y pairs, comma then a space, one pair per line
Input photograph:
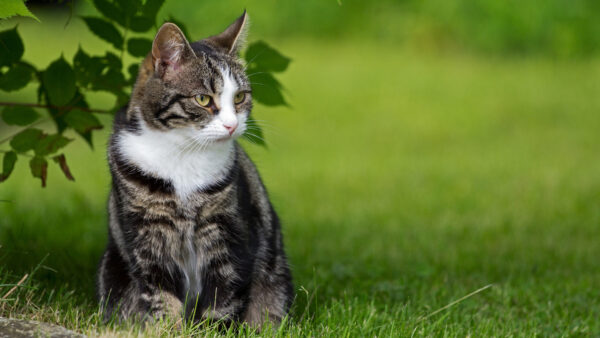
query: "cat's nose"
230, 128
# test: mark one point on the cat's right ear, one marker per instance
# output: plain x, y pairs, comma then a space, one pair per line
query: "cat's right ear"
170, 50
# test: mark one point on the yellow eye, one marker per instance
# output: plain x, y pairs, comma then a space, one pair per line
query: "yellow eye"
239, 97
203, 100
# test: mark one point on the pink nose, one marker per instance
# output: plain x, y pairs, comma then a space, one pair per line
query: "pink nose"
231, 128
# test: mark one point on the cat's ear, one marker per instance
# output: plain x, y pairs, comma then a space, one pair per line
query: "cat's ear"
234, 37
170, 50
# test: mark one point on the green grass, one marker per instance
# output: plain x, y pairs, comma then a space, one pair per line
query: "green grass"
404, 182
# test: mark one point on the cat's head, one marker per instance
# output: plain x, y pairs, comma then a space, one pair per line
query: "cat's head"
194, 91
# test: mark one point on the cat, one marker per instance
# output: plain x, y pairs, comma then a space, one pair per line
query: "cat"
192, 233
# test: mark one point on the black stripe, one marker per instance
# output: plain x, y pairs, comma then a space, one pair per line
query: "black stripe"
212, 85
134, 174
221, 219
161, 221
206, 82
171, 102
227, 181
173, 116
122, 122
133, 125
170, 112
211, 65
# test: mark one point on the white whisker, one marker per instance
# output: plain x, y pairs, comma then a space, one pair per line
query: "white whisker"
256, 73
254, 136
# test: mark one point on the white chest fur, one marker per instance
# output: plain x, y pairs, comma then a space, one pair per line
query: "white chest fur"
176, 157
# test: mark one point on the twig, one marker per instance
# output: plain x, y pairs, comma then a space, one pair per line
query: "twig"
15, 287
37, 105
124, 41
71, 7
455, 302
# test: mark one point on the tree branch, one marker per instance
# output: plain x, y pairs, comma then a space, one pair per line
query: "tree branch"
37, 105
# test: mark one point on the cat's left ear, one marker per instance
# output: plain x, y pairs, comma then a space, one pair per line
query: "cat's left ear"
234, 37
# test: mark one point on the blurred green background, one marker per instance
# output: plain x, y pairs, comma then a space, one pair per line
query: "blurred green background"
543, 27
431, 148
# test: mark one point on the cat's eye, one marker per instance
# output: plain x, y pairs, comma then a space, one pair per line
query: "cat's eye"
239, 97
203, 100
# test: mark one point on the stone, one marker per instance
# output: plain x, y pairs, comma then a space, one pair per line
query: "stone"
18, 328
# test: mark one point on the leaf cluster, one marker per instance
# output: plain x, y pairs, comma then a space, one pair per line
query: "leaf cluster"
62, 86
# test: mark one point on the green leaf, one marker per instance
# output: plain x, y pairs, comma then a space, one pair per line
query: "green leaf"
62, 162
111, 11
88, 138
144, 22
151, 8
129, 7
120, 102
51, 144
39, 168
19, 115
112, 60
141, 24
133, 73
10, 8
130, 13
17, 77
11, 47
180, 25
139, 47
138, 22
87, 68
99, 72
112, 81
81, 60
266, 89
264, 58
254, 132
58, 116
8, 164
82, 121
104, 30
59, 82
26, 140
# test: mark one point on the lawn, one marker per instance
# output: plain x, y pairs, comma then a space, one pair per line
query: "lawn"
405, 183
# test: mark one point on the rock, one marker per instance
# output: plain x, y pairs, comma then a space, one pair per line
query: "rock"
18, 328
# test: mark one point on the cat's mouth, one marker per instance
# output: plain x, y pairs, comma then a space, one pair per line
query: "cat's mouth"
223, 138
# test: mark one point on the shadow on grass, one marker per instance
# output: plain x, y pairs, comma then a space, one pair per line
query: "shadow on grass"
65, 240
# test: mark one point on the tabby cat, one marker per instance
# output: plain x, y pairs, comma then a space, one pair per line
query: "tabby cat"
192, 232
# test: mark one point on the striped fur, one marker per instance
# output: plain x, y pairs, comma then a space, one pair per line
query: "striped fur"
191, 229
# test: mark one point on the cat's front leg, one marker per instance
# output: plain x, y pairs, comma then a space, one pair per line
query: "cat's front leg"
157, 279
222, 283
146, 305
